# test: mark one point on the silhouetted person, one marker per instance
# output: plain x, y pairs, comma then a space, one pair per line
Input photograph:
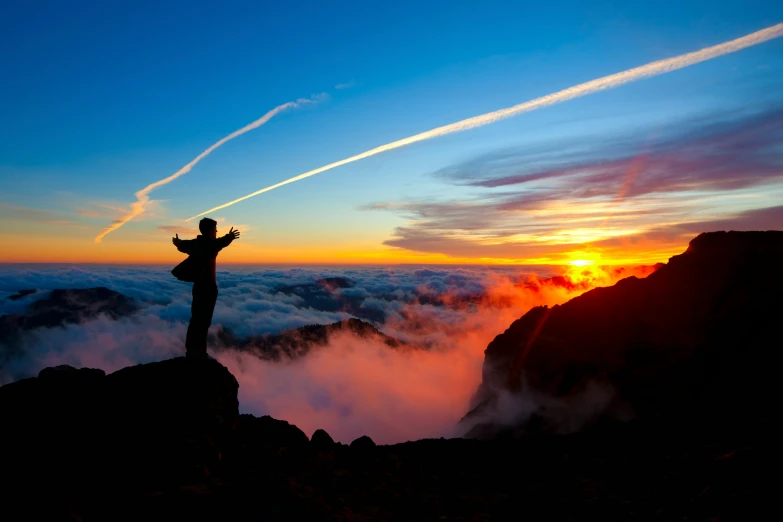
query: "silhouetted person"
199, 268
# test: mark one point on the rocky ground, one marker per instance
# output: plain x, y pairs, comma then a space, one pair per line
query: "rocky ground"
165, 441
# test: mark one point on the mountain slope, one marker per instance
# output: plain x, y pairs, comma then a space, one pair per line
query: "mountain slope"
64, 306
696, 338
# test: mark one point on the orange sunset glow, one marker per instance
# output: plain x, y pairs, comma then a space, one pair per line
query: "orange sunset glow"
158, 251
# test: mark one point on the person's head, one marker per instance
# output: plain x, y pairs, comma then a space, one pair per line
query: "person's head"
208, 227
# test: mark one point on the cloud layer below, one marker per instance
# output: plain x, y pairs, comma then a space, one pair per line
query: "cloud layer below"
350, 387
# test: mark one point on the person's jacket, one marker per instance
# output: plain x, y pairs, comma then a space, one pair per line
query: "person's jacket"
199, 267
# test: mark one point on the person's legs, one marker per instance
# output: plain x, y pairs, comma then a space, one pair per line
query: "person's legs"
200, 318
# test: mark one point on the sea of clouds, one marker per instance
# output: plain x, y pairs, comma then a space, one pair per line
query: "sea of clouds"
351, 387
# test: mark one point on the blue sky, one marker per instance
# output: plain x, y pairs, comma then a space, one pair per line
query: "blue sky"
99, 99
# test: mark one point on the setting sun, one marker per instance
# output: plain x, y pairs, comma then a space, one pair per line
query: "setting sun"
582, 262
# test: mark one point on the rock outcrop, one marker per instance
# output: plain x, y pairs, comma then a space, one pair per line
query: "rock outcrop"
21, 294
696, 339
152, 419
296, 343
321, 440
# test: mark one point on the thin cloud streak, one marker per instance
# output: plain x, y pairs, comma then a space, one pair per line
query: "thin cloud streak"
607, 82
723, 155
142, 196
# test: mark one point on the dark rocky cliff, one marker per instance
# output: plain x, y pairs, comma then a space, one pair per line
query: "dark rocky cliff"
696, 339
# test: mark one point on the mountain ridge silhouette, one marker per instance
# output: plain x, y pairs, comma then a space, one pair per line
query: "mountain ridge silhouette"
668, 344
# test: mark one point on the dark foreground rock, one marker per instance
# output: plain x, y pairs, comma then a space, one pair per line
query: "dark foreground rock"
322, 441
164, 441
170, 416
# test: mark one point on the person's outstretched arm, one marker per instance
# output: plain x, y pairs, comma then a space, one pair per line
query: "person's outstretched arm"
222, 242
183, 245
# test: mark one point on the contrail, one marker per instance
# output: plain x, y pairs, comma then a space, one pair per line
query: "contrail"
142, 196
600, 84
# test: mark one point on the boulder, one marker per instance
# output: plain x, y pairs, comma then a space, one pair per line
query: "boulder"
322, 441
267, 433
157, 419
363, 444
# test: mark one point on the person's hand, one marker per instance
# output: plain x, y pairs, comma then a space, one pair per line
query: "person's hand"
176, 240
233, 234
